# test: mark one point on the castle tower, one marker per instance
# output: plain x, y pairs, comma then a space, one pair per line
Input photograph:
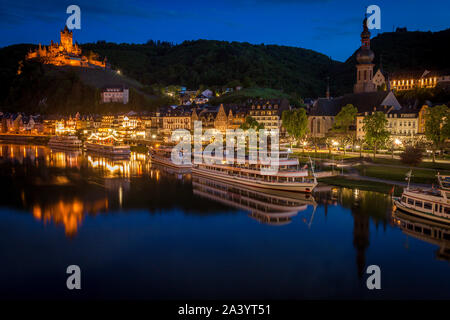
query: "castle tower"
67, 39
364, 68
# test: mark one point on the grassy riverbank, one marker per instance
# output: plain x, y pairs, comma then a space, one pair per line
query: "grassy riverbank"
361, 184
399, 173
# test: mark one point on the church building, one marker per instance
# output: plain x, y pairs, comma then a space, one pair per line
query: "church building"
365, 97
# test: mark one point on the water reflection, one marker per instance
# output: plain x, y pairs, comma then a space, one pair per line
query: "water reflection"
159, 212
273, 208
429, 231
67, 182
364, 206
68, 212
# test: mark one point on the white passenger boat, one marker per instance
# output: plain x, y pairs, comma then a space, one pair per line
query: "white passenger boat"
289, 177
432, 203
163, 155
108, 149
68, 142
107, 144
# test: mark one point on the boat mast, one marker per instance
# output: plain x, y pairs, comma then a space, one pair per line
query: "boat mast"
408, 176
312, 169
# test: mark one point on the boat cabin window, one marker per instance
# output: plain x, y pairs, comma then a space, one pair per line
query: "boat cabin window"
447, 210
419, 204
427, 205
403, 199
410, 201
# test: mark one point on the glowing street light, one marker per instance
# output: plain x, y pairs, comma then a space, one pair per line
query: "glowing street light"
397, 142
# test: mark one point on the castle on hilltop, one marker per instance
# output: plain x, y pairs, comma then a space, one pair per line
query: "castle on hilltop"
65, 53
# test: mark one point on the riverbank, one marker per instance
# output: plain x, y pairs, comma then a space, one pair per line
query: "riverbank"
367, 185
24, 138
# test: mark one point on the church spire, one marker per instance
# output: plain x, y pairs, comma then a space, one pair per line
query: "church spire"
364, 66
365, 35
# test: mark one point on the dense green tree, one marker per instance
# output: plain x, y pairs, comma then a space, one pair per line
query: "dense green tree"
342, 127
437, 126
376, 134
295, 122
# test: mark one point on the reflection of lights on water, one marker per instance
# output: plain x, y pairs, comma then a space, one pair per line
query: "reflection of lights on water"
356, 193
68, 213
120, 196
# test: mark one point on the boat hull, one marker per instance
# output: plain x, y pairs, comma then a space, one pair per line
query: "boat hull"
169, 163
428, 216
306, 187
108, 149
65, 143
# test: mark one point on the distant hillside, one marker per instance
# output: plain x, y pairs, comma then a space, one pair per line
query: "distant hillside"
401, 51
220, 63
48, 89
244, 95
291, 72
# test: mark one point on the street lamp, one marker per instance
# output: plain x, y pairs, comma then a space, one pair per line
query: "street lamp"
397, 143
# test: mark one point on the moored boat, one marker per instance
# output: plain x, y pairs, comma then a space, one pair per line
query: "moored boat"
108, 149
109, 145
68, 142
288, 177
163, 155
432, 203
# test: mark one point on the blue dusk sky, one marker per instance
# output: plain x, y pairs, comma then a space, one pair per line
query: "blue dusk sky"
331, 27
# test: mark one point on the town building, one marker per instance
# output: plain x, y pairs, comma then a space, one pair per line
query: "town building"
269, 113
379, 79
118, 94
423, 79
201, 99
175, 118
322, 115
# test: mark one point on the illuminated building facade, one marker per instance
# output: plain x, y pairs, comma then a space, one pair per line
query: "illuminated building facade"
115, 94
65, 53
426, 79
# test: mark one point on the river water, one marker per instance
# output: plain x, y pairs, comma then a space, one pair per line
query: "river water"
141, 231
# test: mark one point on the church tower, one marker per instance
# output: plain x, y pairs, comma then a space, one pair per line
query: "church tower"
66, 39
364, 68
